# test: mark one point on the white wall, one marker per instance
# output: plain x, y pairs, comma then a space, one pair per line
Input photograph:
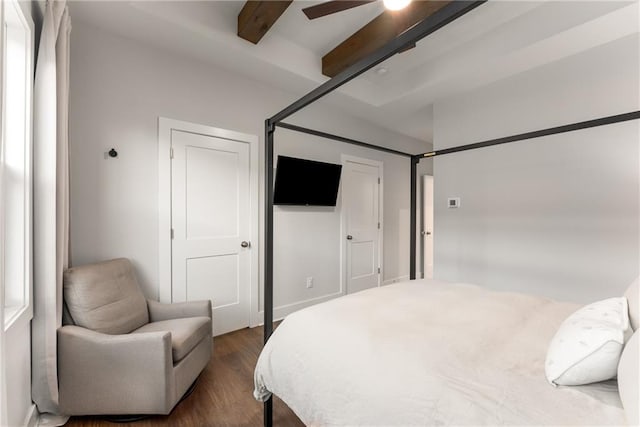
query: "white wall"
120, 87
309, 239
558, 215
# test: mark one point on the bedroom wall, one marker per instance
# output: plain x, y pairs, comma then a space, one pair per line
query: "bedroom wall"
119, 88
558, 215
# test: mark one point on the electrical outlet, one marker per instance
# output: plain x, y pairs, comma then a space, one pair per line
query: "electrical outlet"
309, 282
453, 202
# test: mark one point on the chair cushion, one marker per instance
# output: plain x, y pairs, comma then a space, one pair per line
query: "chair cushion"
186, 333
105, 297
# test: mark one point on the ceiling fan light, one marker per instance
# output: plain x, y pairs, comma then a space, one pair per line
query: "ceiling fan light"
396, 4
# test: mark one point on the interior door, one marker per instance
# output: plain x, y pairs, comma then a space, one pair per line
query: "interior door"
427, 225
361, 216
210, 202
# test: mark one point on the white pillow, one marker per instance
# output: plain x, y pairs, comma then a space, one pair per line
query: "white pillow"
628, 371
633, 297
587, 347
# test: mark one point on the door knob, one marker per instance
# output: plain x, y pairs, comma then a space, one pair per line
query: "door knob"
245, 244
349, 237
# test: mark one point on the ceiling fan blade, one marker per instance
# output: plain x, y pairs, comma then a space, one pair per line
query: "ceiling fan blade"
406, 48
329, 7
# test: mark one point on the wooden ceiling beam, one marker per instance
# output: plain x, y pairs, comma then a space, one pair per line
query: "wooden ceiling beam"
257, 17
377, 33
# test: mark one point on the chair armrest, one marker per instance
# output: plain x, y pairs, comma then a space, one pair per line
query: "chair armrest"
159, 311
102, 374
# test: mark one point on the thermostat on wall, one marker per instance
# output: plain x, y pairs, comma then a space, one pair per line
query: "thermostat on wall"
453, 202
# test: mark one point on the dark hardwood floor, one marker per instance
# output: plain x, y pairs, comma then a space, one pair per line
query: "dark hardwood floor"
224, 393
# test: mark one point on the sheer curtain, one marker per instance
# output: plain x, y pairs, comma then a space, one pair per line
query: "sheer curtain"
50, 203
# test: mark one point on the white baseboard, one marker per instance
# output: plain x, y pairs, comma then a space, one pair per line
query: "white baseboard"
284, 310
397, 279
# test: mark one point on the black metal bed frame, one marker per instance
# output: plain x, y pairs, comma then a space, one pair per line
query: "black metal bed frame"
439, 19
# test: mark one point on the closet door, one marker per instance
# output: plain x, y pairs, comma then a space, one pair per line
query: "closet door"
427, 225
210, 209
362, 224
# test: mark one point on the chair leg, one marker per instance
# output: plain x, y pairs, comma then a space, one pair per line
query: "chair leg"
122, 419
189, 390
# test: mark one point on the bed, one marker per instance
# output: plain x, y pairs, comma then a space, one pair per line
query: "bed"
427, 352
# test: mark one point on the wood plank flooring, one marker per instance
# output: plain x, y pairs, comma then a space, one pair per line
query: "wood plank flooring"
223, 396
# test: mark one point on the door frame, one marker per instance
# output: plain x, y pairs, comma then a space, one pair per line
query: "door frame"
165, 127
343, 226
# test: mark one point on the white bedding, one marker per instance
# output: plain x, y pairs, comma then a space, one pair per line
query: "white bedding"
427, 353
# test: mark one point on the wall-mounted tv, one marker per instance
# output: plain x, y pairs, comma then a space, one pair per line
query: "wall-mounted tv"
301, 182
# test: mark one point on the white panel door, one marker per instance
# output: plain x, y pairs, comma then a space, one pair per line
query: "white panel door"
361, 215
210, 202
427, 225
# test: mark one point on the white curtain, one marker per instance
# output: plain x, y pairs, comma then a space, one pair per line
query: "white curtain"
50, 202
3, 389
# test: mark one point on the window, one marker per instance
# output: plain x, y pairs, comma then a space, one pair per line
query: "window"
15, 156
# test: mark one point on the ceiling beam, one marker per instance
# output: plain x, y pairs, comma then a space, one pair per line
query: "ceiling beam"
257, 17
380, 31
330, 7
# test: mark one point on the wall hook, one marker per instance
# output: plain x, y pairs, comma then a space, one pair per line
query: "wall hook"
113, 153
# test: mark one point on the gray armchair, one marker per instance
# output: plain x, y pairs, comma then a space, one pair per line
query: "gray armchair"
121, 354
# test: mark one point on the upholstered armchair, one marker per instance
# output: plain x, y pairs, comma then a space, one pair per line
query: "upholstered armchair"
121, 354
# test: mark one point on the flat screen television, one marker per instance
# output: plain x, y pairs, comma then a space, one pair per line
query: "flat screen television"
301, 182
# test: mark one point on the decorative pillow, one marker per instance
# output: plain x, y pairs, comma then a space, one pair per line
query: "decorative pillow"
633, 298
587, 347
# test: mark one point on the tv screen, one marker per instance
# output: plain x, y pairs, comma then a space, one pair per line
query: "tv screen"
303, 182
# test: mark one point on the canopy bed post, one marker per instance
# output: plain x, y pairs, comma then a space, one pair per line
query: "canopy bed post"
268, 231
439, 19
270, 125
269, 129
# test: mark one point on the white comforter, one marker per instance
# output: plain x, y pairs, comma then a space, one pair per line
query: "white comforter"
427, 353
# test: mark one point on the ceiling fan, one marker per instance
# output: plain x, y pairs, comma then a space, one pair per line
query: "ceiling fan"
335, 6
